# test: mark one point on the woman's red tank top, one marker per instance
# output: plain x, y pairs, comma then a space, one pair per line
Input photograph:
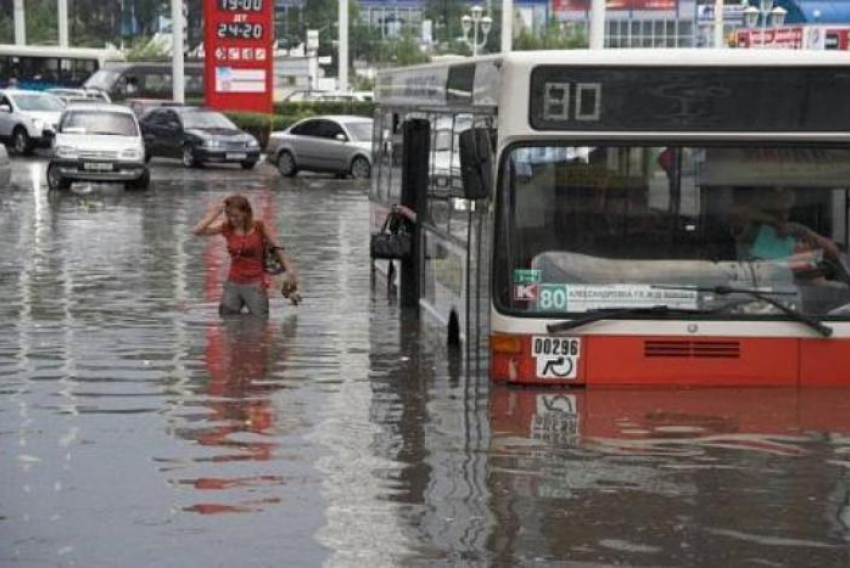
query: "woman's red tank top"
246, 255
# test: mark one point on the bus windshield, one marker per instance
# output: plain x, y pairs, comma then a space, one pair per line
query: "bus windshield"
611, 227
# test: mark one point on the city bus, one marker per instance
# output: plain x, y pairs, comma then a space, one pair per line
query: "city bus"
628, 218
38, 67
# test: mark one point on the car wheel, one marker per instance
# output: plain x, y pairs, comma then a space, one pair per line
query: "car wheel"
55, 179
248, 165
21, 142
142, 183
286, 164
360, 168
189, 159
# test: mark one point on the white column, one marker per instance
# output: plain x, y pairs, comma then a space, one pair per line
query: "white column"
597, 24
343, 45
719, 40
20, 23
63, 23
178, 92
507, 25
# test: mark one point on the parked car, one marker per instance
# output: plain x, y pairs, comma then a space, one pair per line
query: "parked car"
329, 96
28, 119
338, 144
5, 168
98, 143
197, 136
68, 95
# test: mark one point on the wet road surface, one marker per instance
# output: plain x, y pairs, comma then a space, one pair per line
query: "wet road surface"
138, 429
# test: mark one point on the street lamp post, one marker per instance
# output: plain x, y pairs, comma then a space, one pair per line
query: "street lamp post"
765, 11
472, 23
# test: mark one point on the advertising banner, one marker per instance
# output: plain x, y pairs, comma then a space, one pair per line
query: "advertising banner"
239, 57
637, 5
785, 38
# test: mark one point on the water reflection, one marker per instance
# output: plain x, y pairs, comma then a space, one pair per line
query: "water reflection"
240, 423
674, 476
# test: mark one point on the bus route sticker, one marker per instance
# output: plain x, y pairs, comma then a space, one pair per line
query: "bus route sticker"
556, 357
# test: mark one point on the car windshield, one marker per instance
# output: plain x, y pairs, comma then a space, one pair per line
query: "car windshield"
361, 131
206, 120
104, 79
36, 102
596, 227
99, 123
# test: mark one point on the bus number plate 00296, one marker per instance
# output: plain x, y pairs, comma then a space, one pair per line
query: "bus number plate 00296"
556, 357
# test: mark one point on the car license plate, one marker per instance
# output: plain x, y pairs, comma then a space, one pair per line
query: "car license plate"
97, 167
238, 156
556, 357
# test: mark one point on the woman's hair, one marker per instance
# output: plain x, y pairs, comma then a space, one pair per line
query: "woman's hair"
240, 203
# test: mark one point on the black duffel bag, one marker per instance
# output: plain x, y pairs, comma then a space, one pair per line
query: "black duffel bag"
394, 241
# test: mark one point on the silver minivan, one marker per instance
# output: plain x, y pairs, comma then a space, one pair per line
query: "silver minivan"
337, 144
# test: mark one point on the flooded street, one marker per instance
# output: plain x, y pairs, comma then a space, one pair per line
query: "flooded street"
139, 429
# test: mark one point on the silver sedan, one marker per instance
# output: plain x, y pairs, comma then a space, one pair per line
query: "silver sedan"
337, 144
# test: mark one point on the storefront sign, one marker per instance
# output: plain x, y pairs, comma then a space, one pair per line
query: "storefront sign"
637, 5
239, 55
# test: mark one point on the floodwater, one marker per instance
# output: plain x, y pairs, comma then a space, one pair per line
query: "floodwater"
138, 429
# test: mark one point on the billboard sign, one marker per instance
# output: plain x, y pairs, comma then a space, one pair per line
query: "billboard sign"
239, 61
796, 37
636, 5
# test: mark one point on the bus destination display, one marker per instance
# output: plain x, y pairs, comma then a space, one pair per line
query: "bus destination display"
690, 99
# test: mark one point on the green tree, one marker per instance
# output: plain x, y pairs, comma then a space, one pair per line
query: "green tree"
7, 24
146, 50
446, 15
552, 37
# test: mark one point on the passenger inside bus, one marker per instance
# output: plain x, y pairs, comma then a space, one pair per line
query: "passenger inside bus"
612, 215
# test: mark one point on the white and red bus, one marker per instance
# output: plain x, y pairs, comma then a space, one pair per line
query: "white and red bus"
663, 217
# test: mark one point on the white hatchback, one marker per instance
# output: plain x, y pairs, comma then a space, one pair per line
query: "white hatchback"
101, 143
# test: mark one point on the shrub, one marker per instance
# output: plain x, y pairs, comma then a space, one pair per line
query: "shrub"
255, 123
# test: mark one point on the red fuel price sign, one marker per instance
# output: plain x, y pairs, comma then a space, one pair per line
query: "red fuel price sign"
238, 54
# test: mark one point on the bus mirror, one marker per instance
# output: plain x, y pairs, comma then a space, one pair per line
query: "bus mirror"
476, 163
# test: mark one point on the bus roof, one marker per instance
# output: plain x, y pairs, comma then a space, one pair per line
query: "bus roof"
475, 82
59, 52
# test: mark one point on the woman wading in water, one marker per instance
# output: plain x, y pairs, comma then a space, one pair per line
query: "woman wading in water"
247, 240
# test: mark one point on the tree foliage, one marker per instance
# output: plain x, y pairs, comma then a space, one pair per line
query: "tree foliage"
552, 37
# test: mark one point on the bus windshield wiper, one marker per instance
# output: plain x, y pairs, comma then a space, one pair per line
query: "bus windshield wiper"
600, 314
812, 323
